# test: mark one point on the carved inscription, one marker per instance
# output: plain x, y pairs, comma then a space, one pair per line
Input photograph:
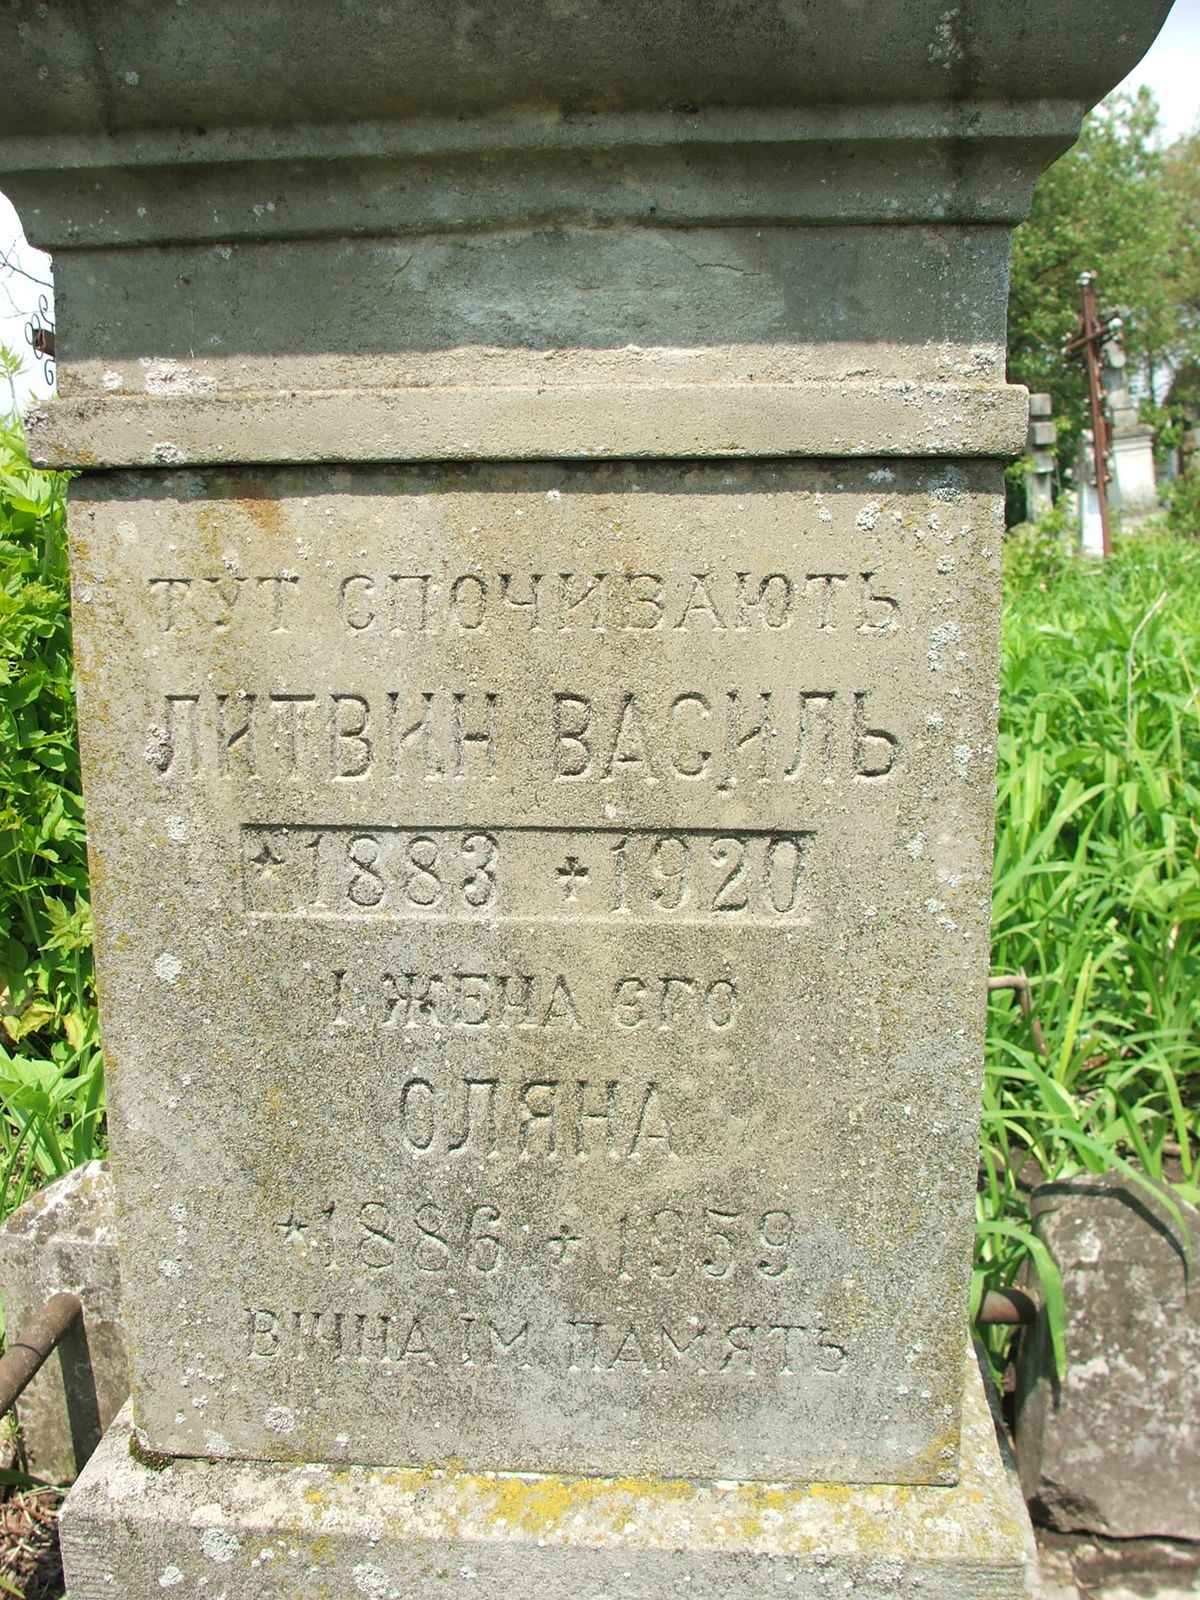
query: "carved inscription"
707, 601
724, 1242
553, 1118
524, 1003
428, 1338
541, 857
714, 737
529, 874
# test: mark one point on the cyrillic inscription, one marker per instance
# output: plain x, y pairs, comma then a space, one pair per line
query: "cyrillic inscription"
428, 1338
712, 737
550, 1118
707, 601
534, 866
539, 1003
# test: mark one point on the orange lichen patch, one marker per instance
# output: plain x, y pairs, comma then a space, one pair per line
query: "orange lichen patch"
262, 507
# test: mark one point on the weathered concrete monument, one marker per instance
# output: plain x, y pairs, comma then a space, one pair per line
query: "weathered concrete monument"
536, 589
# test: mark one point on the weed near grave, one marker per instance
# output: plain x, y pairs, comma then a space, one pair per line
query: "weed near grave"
1097, 887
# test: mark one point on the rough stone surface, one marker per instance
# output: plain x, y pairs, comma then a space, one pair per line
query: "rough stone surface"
419, 59
1113, 1448
541, 894
550, 1035
1087, 1567
63, 1240
264, 1531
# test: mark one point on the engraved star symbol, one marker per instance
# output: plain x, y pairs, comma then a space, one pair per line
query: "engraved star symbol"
266, 861
291, 1227
559, 1244
573, 873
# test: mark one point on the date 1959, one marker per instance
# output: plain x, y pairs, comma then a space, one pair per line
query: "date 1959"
721, 1243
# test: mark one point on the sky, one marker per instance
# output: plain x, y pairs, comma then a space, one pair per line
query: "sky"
1171, 68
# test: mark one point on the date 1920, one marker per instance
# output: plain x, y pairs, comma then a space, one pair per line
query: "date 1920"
527, 873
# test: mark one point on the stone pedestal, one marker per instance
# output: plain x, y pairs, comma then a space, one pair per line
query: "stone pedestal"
536, 600
1111, 1447
1133, 472
265, 1531
1134, 491
1087, 503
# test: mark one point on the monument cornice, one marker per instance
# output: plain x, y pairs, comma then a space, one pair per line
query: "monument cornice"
972, 161
137, 67
552, 422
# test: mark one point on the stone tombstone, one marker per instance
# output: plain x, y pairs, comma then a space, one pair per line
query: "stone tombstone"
1041, 459
1131, 443
536, 571
1111, 1448
1091, 529
62, 1240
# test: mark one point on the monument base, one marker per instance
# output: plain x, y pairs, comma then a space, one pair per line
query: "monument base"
266, 1531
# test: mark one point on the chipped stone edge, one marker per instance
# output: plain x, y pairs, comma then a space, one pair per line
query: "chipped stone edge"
511, 423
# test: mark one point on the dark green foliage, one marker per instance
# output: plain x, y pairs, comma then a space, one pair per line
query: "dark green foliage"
1119, 205
1183, 508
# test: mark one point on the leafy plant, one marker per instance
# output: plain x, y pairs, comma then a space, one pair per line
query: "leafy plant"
1038, 552
1097, 890
51, 1070
1183, 510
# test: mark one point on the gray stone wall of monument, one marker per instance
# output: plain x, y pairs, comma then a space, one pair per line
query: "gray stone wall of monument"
536, 573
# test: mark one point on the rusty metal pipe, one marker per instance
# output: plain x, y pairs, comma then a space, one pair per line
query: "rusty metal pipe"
25, 1356
1007, 1307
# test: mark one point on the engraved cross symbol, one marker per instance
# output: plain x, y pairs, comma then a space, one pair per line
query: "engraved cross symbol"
572, 872
559, 1244
291, 1227
266, 861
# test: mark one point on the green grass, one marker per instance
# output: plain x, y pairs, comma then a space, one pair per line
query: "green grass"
1096, 900
1097, 882
51, 1070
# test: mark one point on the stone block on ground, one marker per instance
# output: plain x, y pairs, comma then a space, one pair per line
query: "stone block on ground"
1114, 1447
61, 1239
1082, 1566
